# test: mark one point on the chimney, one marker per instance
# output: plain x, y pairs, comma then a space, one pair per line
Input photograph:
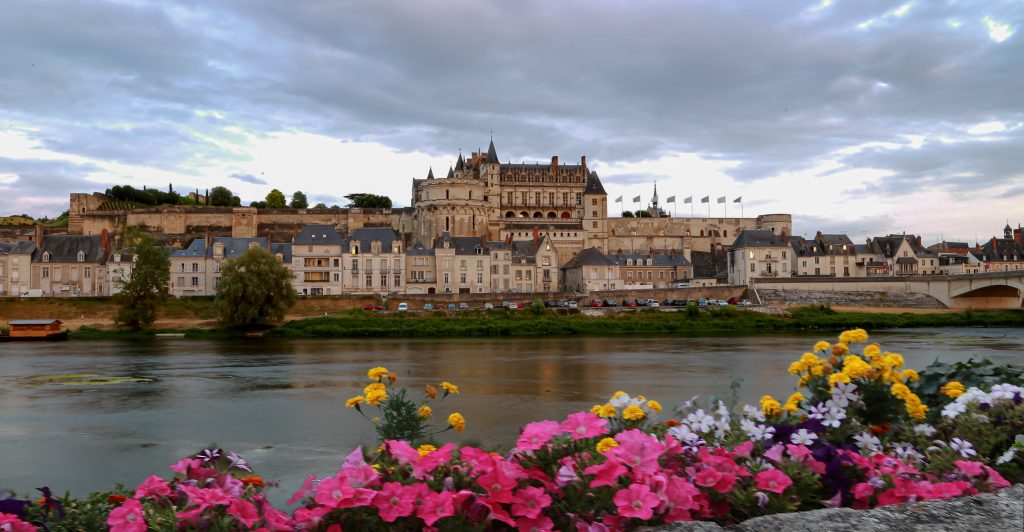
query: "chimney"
919, 240
105, 243
977, 247
208, 238
818, 236
536, 236
554, 164
1017, 237
39, 236
583, 162
786, 240
995, 247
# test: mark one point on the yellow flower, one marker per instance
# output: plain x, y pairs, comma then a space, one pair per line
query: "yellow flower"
911, 375
633, 413
892, 360
854, 336
376, 374
900, 391
770, 406
430, 392
840, 350
375, 393
804, 380
822, 346
654, 405
795, 368
426, 411
607, 411
392, 376
855, 367
375, 420
596, 410
914, 406
836, 378
793, 403
817, 371
456, 420
449, 387
872, 351
425, 449
618, 394
606, 444
354, 402
952, 389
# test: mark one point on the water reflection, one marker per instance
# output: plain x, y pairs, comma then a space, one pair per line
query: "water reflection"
279, 402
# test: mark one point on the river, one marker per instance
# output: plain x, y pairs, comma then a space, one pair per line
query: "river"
280, 403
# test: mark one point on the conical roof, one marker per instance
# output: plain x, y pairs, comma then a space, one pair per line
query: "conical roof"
492, 154
451, 173
430, 174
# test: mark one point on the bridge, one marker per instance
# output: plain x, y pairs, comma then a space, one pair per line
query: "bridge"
990, 290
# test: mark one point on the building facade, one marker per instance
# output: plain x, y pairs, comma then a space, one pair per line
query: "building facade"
758, 253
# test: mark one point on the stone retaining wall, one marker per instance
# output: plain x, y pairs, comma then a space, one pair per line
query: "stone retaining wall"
777, 296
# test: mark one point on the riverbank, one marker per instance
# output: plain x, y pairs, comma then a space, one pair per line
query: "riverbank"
357, 323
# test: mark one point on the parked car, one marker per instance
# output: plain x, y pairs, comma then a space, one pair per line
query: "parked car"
402, 307
653, 304
451, 306
463, 306
629, 302
733, 300
641, 302
744, 303
702, 302
573, 305
372, 307
563, 303
428, 306
596, 303
488, 306
610, 303
719, 303
551, 304
682, 285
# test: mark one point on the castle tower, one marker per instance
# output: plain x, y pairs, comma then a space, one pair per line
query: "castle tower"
595, 211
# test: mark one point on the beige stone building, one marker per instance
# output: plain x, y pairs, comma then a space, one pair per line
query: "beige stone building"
758, 254
196, 270
70, 265
590, 270
316, 261
1003, 254
374, 262
15, 268
524, 266
653, 270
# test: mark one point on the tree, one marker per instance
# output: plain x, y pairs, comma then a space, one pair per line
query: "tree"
275, 200
146, 286
259, 204
220, 197
643, 214
299, 200
254, 289
369, 201
320, 206
627, 214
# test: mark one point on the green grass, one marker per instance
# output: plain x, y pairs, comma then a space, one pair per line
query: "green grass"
523, 323
16, 220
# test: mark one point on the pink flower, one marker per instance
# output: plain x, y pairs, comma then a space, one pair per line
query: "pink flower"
276, 520
151, 487
436, 506
712, 478
863, 490
401, 450
772, 480
244, 511
305, 491
476, 458
205, 497
125, 518
356, 470
337, 493
566, 475
530, 502
681, 496
946, 490
185, 464
585, 425
636, 501
744, 449
427, 464
497, 484
996, 479
775, 453
638, 451
310, 517
606, 473
393, 501
535, 524
971, 469
536, 434
798, 452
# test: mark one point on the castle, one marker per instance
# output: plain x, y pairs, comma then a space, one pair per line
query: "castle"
479, 197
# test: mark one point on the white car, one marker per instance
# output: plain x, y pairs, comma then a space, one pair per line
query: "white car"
654, 304
402, 307
573, 305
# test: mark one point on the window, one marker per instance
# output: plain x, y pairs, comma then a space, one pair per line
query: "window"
195, 266
195, 281
579, 198
398, 280
337, 277
383, 279
384, 264
46, 273
551, 198
593, 224
369, 280
479, 264
46, 257
529, 275
216, 282
751, 255
355, 265
462, 264
479, 278
661, 275
629, 275
81, 256
565, 199
446, 278
817, 260
462, 278
752, 265
74, 274
536, 198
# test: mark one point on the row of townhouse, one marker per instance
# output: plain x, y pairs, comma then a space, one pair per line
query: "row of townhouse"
761, 254
196, 270
591, 270
61, 266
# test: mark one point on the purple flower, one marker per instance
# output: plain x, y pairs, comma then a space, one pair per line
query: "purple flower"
49, 503
209, 455
238, 462
762, 498
13, 506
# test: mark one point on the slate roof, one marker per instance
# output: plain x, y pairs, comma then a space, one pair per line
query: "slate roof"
658, 259
906, 260
317, 234
33, 322
997, 248
589, 257
463, 245
419, 250
708, 265
65, 248
284, 249
758, 238
233, 247
195, 249
21, 247
492, 154
366, 235
594, 185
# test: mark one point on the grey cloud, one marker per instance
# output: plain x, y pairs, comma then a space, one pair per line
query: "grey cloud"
249, 178
42, 186
858, 229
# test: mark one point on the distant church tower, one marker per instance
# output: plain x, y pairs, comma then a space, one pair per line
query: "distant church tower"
654, 200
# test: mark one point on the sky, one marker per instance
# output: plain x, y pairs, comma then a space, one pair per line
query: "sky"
856, 116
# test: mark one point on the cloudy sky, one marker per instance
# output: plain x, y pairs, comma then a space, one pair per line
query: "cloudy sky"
858, 116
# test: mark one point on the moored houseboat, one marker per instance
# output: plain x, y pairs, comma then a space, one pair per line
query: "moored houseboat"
35, 330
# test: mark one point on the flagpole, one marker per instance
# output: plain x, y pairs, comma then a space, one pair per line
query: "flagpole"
726, 208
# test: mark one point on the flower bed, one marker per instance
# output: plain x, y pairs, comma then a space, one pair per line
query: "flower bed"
856, 433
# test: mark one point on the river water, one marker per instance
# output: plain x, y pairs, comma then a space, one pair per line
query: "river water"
280, 403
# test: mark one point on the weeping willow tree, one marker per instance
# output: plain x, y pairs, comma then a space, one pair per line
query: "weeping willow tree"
254, 289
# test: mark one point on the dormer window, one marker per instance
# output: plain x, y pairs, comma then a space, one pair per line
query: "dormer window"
81, 256
117, 257
355, 248
46, 256
252, 245
218, 250
279, 257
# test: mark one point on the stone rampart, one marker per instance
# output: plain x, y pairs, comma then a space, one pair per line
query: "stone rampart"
840, 298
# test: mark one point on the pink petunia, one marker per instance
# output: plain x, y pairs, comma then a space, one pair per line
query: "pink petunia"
775, 453
276, 520
535, 524
305, 491
744, 449
125, 518
356, 470
583, 425
530, 501
151, 487
606, 473
638, 451
798, 452
310, 517
393, 501
337, 493
863, 490
497, 484
772, 480
535, 435
971, 469
436, 506
205, 497
636, 501
995, 479
185, 464
427, 464
401, 450
244, 511
14, 523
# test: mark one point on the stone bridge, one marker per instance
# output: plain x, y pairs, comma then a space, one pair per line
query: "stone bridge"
990, 290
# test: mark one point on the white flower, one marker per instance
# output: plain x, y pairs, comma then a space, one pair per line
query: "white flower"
700, 421
953, 409
906, 451
834, 418
624, 400
818, 411
924, 429
1007, 456
690, 440
1005, 391
866, 441
755, 431
803, 437
847, 392
680, 432
964, 447
752, 412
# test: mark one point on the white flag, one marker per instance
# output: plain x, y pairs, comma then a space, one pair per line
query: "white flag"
671, 199
721, 199
619, 200
636, 199
738, 200
689, 199
705, 199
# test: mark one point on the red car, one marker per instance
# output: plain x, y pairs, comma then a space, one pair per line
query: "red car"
597, 303
733, 300
372, 307
629, 302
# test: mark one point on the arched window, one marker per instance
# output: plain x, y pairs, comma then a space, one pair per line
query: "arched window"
725, 233
524, 214
552, 215
538, 215
566, 215
510, 214
447, 223
46, 256
81, 256
701, 232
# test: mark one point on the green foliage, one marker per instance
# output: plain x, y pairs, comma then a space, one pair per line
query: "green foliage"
537, 307
275, 199
401, 419
146, 286
220, 197
628, 214
643, 214
368, 201
254, 289
977, 373
299, 200
259, 204
320, 206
